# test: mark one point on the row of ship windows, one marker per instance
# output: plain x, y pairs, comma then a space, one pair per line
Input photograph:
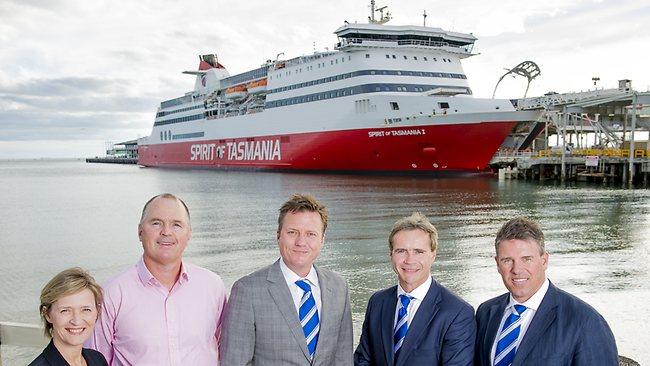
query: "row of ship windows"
368, 72
415, 58
336, 62
368, 88
179, 119
165, 135
163, 113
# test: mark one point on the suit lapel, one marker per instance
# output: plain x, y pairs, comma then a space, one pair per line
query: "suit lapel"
387, 319
421, 321
281, 295
492, 328
326, 297
544, 317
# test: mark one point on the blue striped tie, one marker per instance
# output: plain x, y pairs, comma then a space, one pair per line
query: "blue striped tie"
506, 346
402, 325
308, 314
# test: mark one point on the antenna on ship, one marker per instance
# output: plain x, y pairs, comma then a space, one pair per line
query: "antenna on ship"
424, 15
382, 19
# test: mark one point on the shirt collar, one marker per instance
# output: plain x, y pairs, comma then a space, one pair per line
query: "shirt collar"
292, 277
535, 300
419, 293
147, 278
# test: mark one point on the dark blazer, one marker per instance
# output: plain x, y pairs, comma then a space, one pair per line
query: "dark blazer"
52, 357
564, 331
441, 333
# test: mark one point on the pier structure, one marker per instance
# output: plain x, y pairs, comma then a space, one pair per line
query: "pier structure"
120, 153
594, 135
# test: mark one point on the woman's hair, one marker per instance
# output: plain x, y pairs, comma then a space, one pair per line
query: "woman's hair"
66, 283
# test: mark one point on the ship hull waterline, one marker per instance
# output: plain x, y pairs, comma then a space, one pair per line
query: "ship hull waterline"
466, 147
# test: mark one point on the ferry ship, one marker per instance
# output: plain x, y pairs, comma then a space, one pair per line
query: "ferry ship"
386, 99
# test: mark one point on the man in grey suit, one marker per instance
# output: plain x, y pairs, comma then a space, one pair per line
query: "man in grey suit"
291, 312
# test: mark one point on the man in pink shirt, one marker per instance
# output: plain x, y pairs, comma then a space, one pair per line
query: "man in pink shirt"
163, 310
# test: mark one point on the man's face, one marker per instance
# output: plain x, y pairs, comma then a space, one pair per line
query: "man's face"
522, 267
300, 240
164, 231
412, 258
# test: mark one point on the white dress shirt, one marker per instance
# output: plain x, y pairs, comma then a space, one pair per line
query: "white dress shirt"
296, 292
417, 296
532, 305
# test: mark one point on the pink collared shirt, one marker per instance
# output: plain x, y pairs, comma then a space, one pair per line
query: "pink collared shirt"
142, 323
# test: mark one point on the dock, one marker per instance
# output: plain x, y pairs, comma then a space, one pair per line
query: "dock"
607, 166
110, 160
120, 153
583, 136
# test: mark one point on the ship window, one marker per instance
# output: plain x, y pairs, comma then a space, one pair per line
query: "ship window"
435, 59
342, 59
331, 62
336, 61
387, 56
406, 58
349, 58
367, 55
161, 135
415, 58
394, 106
443, 105
394, 57
425, 58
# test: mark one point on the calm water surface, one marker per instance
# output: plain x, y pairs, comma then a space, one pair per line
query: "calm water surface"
59, 214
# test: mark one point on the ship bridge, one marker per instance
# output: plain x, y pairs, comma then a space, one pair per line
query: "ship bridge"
363, 36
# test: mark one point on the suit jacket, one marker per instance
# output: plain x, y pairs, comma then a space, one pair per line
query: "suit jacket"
442, 332
261, 325
52, 357
564, 331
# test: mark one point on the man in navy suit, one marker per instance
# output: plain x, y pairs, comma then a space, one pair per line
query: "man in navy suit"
536, 323
417, 322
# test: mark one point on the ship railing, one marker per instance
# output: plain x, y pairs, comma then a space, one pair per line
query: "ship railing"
21, 335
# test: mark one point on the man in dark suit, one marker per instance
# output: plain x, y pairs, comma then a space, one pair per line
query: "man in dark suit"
536, 323
417, 322
290, 312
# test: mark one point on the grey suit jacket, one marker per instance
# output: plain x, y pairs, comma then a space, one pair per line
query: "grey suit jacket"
261, 325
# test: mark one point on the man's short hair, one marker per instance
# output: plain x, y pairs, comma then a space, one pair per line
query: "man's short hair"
520, 228
66, 283
299, 202
163, 195
416, 221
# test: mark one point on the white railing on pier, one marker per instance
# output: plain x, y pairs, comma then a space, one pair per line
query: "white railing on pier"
22, 335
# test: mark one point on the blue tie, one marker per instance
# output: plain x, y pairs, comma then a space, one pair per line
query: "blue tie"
402, 326
506, 346
308, 315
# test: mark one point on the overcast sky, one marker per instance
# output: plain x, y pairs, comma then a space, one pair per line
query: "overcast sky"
75, 74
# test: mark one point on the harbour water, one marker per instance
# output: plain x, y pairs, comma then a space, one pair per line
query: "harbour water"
59, 214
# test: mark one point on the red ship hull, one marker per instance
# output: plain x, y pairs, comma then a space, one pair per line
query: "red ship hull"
453, 147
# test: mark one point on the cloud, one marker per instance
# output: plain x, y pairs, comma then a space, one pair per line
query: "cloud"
81, 69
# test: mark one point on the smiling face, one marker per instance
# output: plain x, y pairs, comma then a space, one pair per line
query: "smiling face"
412, 258
73, 318
300, 239
164, 232
522, 267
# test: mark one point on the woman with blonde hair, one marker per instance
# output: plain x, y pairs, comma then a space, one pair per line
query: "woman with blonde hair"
70, 305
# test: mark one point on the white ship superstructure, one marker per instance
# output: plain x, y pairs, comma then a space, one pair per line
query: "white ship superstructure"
388, 98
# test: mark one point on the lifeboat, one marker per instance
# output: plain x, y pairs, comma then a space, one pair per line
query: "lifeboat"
236, 92
258, 86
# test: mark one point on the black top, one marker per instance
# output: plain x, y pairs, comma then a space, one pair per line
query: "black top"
52, 357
